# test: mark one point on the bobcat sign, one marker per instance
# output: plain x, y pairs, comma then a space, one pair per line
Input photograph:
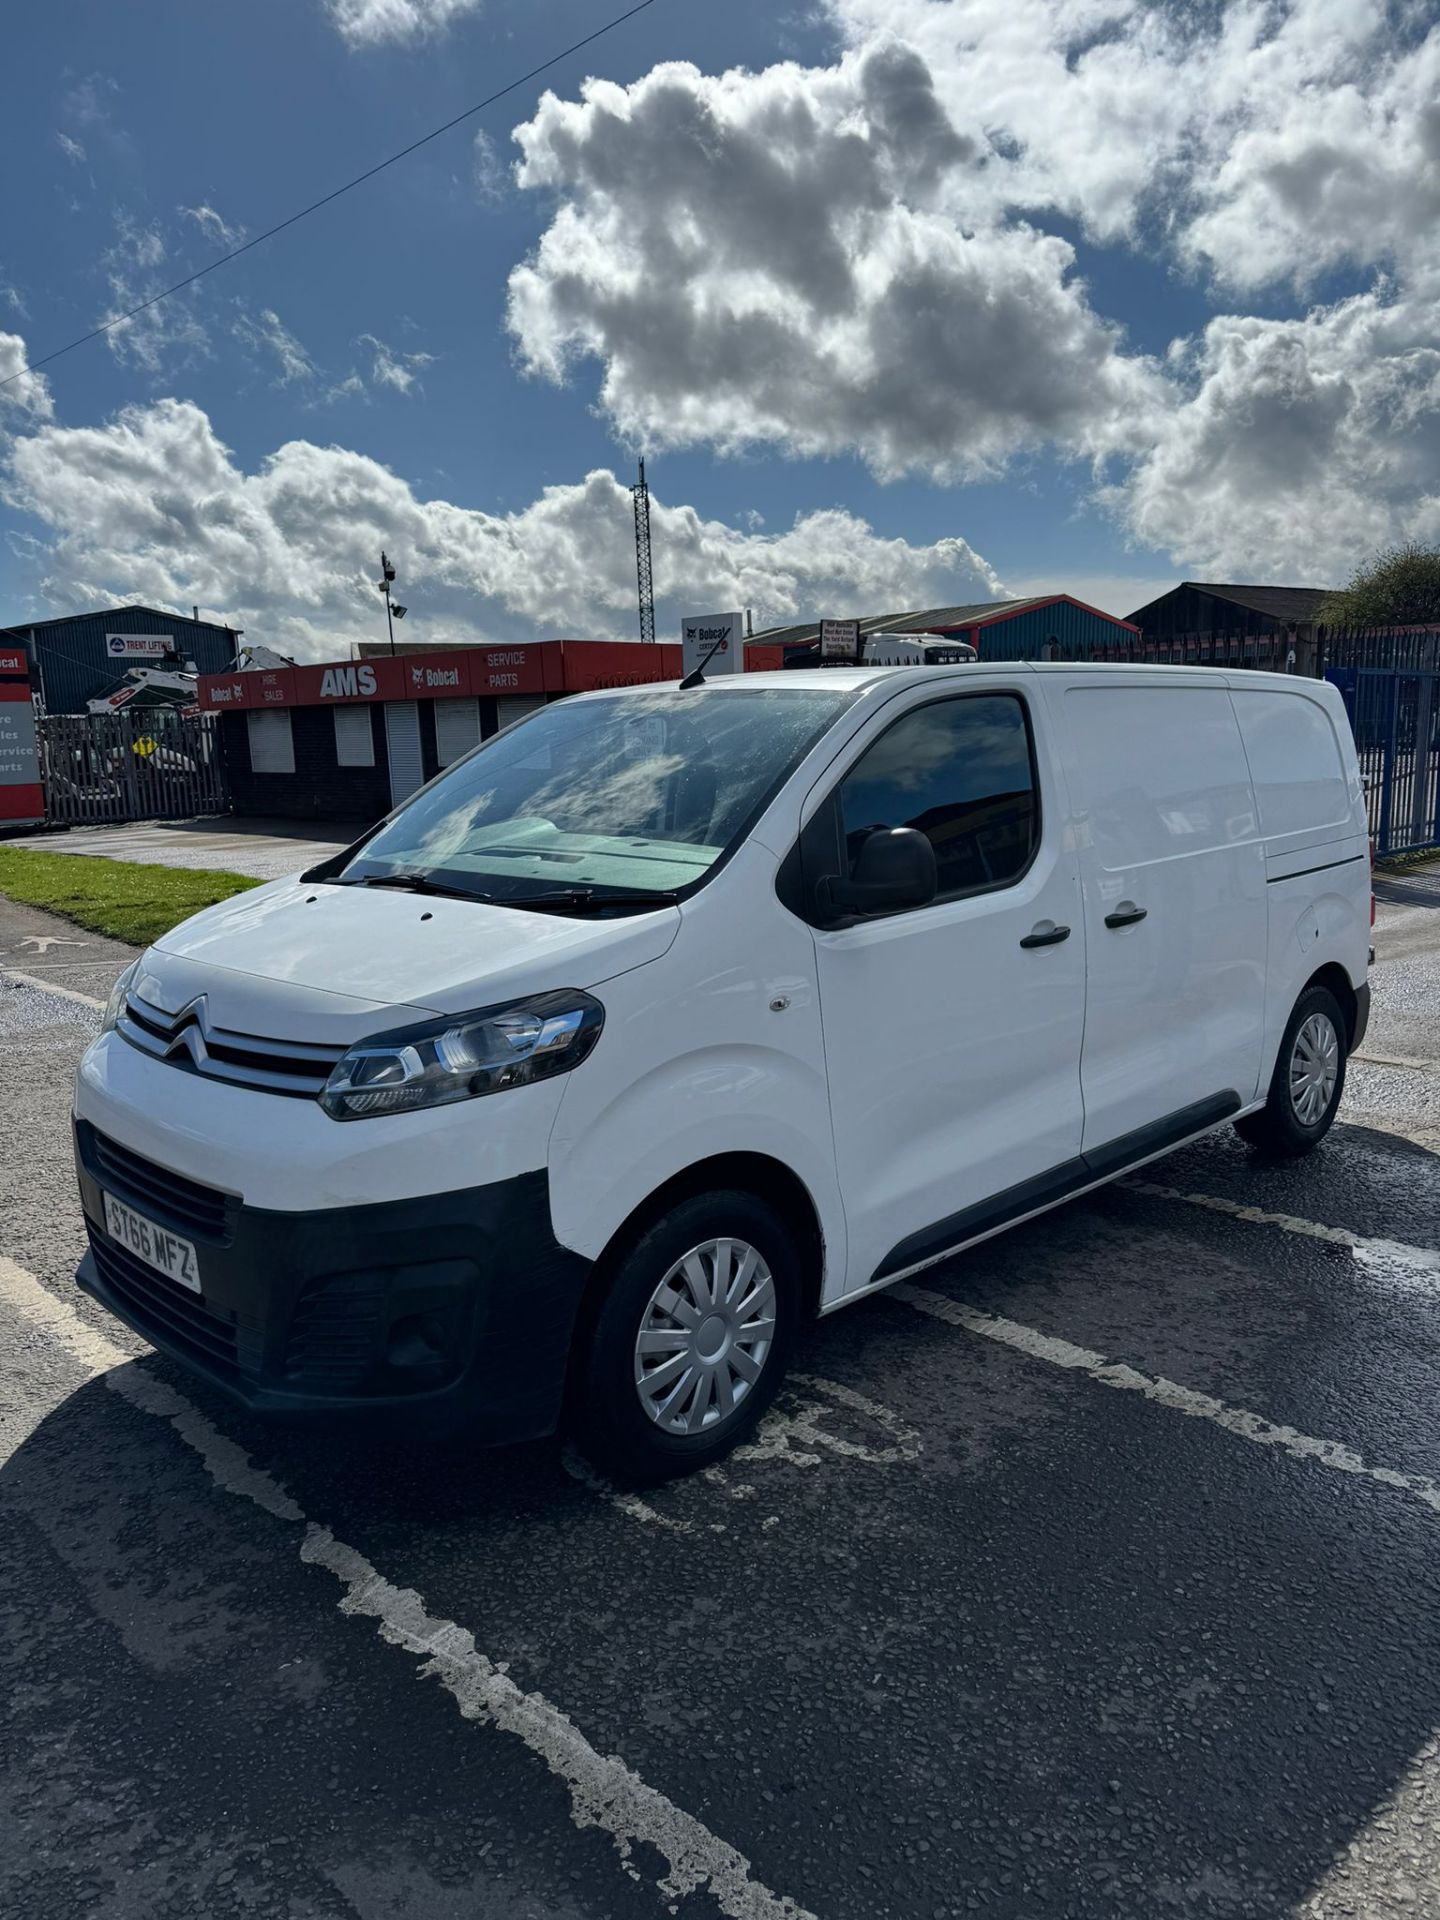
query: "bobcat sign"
721, 635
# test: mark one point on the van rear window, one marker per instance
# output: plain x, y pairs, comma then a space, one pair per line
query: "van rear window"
1295, 763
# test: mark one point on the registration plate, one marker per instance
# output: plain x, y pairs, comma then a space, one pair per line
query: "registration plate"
166, 1252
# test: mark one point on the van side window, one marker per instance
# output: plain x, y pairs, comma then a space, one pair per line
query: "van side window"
962, 772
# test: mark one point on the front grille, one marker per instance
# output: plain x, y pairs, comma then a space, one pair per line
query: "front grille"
173, 1313
189, 1039
332, 1333
184, 1204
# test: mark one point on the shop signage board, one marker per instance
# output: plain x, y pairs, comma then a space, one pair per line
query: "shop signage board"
720, 636
139, 646
455, 673
22, 798
840, 640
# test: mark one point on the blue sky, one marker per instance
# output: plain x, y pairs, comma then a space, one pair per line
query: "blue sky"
960, 320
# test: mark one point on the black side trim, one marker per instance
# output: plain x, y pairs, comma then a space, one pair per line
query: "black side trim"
1116, 1155
1274, 879
1049, 1189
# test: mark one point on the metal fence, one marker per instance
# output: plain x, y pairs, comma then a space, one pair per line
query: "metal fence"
154, 764
1395, 717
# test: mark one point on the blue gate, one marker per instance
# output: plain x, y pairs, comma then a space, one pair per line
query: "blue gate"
1395, 716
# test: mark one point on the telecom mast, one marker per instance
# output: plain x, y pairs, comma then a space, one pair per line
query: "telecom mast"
645, 579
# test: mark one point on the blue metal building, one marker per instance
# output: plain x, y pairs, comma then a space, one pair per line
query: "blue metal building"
81, 656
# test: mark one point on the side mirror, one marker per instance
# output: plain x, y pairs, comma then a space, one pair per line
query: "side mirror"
895, 871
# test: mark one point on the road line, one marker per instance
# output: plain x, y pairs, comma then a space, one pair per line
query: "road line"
630, 1504
1422, 1259
604, 1792
44, 986
1199, 1406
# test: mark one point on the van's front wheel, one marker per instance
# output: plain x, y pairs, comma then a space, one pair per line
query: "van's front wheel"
1308, 1081
692, 1339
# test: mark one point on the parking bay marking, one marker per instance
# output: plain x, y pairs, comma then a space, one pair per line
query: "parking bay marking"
1201, 1406
1383, 1253
604, 1792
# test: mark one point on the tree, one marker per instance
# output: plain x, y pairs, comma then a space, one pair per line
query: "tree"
1398, 587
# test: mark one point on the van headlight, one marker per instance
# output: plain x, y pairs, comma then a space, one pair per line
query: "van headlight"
115, 1005
463, 1056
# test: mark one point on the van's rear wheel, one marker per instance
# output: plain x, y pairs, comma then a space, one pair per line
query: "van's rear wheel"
1308, 1081
692, 1339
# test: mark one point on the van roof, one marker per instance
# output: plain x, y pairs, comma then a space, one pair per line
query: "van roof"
857, 679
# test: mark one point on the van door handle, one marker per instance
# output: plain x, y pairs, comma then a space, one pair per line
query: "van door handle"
1125, 916
1046, 937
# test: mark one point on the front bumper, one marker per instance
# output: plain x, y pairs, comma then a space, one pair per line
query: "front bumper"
451, 1309
1362, 1015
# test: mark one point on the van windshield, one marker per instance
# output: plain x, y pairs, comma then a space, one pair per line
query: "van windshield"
620, 802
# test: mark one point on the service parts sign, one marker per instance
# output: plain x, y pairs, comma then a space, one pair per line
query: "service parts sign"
21, 795
720, 635
138, 646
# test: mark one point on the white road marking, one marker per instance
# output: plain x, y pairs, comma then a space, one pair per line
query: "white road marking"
1388, 1252
1199, 1406
630, 1504
42, 942
604, 1792
63, 993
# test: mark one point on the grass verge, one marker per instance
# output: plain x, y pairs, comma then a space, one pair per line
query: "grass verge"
119, 898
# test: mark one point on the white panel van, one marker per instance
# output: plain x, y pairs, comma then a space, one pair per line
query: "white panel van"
673, 1015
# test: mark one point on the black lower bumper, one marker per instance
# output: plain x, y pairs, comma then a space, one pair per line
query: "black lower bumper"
454, 1309
1362, 1015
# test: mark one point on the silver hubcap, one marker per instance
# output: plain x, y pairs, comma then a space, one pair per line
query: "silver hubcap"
705, 1336
1314, 1069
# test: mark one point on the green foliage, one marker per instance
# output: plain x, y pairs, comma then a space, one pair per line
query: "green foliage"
1399, 587
119, 898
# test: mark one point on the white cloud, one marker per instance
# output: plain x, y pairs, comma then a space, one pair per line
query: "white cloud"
775, 258
215, 229
1303, 445
71, 149
154, 505
488, 171
369, 23
855, 259
389, 368
265, 333
30, 392
168, 333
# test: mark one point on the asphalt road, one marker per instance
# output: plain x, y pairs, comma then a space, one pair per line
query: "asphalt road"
1097, 1576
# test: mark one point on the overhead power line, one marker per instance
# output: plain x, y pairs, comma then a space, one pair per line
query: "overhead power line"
33, 366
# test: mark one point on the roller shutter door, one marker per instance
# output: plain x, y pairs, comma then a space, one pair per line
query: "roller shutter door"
402, 745
515, 706
272, 745
457, 728
354, 740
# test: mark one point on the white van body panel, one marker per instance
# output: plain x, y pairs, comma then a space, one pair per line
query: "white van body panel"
716, 1051
1165, 820
405, 949
953, 1055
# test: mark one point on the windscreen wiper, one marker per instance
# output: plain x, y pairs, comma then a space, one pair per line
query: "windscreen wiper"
589, 900
418, 883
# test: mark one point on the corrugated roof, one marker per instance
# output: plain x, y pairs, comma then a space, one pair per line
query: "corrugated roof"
922, 620
1300, 604
109, 613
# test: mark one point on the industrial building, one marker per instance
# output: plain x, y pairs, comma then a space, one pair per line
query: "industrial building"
1198, 606
84, 656
351, 739
1053, 624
